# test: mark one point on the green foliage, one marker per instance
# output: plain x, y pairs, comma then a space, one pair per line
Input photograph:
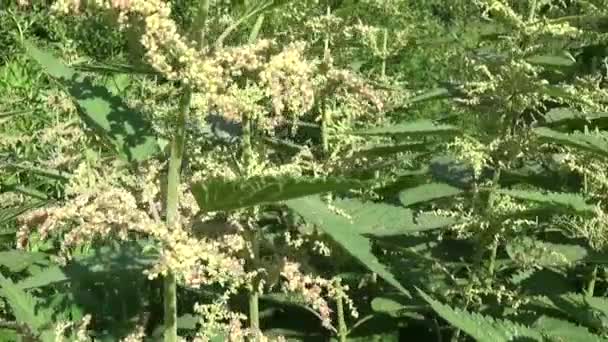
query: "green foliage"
509, 230
483, 328
215, 195
411, 129
427, 192
16, 260
564, 201
26, 309
345, 233
593, 143
128, 131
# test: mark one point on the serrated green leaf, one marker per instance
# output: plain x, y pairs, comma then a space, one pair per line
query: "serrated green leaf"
386, 150
483, 328
394, 308
49, 275
546, 253
427, 192
433, 94
221, 194
574, 119
7, 214
422, 128
17, 260
594, 143
381, 219
589, 311
569, 201
344, 232
565, 330
564, 60
24, 306
132, 136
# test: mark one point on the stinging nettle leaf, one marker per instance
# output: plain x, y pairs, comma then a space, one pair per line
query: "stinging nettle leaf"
569, 201
565, 60
24, 306
382, 219
50, 275
595, 143
18, 260
483, 328
565, 330
546, 253
427, 192
221, 194
345, 233
574, 119
131, 135
418, 128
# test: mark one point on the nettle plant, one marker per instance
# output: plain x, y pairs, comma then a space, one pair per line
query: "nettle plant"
535, 214
243, 154
207, 217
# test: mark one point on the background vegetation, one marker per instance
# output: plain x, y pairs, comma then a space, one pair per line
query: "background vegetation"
255, 170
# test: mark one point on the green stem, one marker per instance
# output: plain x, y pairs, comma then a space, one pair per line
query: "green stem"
254, 296
342, 329
247, 144
384, 53
493, 251
201, 20
495, 242
325, 117
591, 285
254, 309
532, 13
173, 182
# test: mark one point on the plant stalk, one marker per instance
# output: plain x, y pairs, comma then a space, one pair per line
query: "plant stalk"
342, 329
532, 13
254, 308
173, 182
591, 286
384, 54
325, 116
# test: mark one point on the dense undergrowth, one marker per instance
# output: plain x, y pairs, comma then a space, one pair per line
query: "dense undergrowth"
271, 170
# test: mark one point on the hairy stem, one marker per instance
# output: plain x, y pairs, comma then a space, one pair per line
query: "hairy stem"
254, 310
325, 117
591, 286
384, 53
173, 182
201, 20
495, 237
493, 251
532, 13
342, 329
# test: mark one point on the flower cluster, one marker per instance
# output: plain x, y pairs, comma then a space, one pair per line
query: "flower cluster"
287, 76
217, 319
100, 208
111, 212
201, 261
232, 80
312, 290
81, 334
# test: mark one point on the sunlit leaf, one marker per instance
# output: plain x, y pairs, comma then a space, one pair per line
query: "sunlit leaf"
131, 135
345, 233
427, 192
221, 194
420, 128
